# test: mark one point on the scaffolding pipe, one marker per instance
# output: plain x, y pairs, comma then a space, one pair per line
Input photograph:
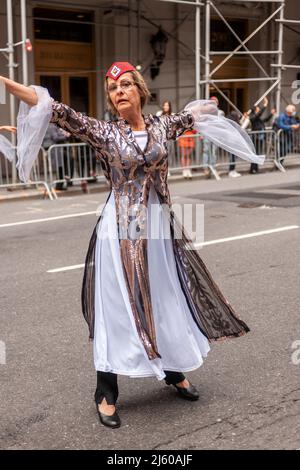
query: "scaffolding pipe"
236, 80
183, 2
207, 48
129, 31
197, 49
288, 21
11, 74
242, 52
286, 66
279, 63
139, 32
24, 37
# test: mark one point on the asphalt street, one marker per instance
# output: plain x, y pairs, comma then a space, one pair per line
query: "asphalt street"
249, 387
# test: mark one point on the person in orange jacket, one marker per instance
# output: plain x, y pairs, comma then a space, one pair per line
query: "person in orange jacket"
186, 147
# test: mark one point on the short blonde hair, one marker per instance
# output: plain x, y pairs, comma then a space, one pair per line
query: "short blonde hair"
143, 89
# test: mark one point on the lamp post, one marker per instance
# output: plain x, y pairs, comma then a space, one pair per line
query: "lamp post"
11, 74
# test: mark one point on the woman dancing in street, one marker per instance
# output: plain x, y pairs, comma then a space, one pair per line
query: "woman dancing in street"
150, 303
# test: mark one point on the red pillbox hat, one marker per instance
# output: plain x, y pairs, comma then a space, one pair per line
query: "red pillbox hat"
118, 68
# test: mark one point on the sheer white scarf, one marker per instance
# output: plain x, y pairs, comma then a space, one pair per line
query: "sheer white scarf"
221, 131
32, 124
6, 148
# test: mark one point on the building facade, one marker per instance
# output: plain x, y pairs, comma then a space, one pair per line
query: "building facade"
74, 43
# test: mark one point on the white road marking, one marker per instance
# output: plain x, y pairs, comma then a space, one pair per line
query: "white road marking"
248, 235
67, 268
59, 217
197, 245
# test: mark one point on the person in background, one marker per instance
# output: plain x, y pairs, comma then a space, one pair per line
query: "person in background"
258, 126
209, 149
289, 123
187, 147
234, 116
166, 110
61, 161
245, 121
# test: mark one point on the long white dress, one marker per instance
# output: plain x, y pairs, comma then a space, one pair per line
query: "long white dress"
117, 346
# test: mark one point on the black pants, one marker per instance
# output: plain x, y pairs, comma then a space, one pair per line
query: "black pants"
254, 168
67, 169
232, 162
107, 385
259, 144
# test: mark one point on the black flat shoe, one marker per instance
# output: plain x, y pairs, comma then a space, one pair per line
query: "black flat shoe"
112, 421
190, 393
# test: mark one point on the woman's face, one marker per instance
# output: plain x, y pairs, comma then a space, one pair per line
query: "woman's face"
124, 94
166, 107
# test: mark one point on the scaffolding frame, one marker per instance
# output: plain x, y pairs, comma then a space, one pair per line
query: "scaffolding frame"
208, 79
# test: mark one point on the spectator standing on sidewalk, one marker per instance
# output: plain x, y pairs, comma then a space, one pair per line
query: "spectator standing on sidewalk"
234, 116
258, 126
288, 122
209, 149
61, 161
187, 147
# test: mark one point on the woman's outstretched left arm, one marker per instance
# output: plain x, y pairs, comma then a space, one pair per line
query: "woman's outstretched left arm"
176, 124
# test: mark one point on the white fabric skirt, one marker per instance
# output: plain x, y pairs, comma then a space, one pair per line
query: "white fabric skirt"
117, 346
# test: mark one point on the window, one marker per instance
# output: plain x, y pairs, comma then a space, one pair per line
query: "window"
63, 25
222, 38
79, 94
53, 85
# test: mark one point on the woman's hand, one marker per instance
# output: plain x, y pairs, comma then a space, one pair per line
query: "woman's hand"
8, 128
22, 92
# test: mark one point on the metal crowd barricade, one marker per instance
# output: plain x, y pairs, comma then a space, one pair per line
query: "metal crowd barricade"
185, 153
204, 154
64, 164
265, 143
71, 163
38, 176
288, 146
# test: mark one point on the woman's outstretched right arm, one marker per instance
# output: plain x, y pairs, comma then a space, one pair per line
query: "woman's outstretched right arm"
83, 127
22, 92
